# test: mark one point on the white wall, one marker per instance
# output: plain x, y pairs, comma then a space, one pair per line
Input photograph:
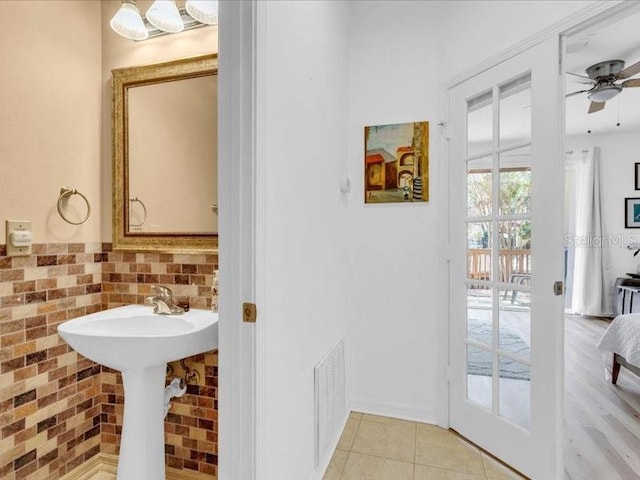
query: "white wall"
471, 31
393, 279
370, 271
304, 313
400, 53
619, 153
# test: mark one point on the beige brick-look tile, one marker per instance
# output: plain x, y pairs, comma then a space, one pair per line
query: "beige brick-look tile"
35, 273
6, 288
25, 311
23, 261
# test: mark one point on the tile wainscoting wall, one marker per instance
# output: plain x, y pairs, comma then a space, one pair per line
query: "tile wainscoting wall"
191, 427
58, 409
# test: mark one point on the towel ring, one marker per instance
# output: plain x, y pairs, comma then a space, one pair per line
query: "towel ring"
144, 209
66, 192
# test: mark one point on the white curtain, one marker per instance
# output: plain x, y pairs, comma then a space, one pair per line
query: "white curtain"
590, 292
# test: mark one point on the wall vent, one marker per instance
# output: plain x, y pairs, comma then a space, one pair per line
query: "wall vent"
330, 401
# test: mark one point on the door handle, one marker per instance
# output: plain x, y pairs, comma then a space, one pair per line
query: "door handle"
558, 287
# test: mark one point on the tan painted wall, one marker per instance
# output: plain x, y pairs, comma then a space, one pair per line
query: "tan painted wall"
118, 52
50, 115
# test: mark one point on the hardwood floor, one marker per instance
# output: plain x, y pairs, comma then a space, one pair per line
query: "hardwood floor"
602, 420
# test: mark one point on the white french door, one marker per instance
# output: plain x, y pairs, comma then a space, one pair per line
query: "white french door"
506, 230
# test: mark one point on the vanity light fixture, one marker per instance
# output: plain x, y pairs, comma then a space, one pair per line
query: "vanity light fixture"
128, 22
204, 11
163, 17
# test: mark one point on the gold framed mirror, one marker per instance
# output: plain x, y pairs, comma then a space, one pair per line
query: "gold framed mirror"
165, 164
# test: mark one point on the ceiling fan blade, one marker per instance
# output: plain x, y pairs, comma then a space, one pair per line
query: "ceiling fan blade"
575, 93
630, 71
634, 82
581, 76
596, 106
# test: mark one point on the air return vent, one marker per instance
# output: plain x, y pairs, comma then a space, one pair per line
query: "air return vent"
330, 401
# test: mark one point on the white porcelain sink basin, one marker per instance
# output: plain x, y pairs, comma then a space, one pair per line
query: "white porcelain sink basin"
133, 337
139, 343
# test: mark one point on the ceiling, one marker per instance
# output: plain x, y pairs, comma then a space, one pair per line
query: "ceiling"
619, 40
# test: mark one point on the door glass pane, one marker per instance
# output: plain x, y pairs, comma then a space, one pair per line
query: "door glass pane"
515, 251
479, 250
515, 111
479, 376
479, 124
515, 322
515, 392
480, 314
515, 181
479, 187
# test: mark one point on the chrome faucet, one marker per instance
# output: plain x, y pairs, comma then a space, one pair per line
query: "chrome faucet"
163, 301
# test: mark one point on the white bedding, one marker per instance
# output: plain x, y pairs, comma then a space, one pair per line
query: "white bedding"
623, 337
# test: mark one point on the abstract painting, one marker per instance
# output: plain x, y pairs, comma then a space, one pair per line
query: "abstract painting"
396, 163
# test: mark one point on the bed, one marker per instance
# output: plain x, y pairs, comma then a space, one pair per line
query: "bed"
622, 339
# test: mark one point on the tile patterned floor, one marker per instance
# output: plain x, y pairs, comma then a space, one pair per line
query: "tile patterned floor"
103, 476
381, 448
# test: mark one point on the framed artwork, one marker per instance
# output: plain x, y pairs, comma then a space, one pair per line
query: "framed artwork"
396, 163
637, 176
632, 212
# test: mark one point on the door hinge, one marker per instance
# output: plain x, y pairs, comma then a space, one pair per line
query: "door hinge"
249, 312
558, 287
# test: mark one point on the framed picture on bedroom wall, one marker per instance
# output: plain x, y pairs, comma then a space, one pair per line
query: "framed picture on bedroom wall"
637, 176
632, 213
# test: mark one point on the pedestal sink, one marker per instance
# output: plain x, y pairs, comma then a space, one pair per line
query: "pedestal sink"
139, 343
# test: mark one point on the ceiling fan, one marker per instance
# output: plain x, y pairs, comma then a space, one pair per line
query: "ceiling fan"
603, 77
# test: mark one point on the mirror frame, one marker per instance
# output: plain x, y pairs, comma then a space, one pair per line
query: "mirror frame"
122, 80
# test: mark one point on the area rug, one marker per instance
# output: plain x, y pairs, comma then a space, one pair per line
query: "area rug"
479, 362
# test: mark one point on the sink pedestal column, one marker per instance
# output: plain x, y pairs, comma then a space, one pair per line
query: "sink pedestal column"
142, 443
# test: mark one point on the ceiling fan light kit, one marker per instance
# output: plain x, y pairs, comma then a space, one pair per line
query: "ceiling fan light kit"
604, 94
603, 77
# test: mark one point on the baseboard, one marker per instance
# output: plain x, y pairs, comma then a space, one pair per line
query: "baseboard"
90, 468
395, 410
108, 464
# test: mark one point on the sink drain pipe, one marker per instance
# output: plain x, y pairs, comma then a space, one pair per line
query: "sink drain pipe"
176, 388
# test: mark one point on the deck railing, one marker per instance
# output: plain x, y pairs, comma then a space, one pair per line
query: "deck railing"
517, 261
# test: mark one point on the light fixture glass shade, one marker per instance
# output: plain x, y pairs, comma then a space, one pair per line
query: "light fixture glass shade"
164, 15
204, 11
604, 94
128, 22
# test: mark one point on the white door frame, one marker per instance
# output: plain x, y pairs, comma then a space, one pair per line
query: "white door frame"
237, 446
595, 13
